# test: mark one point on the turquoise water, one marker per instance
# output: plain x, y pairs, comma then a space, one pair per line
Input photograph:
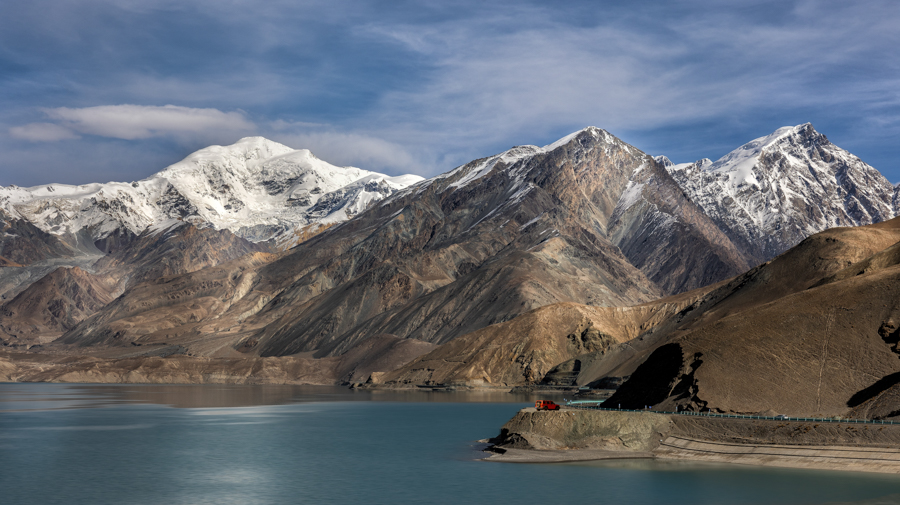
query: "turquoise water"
72, 444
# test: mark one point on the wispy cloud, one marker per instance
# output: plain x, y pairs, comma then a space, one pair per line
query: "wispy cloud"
634, 73
423, 86
42, 132
132, 122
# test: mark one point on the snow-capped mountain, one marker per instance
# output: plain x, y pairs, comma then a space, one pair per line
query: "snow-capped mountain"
588, 219
256, 188
773, 192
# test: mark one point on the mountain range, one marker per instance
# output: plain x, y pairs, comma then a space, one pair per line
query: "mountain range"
256, 250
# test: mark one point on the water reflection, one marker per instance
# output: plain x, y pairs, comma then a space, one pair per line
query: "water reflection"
25, 397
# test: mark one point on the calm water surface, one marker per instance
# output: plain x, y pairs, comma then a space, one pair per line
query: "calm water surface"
114, 444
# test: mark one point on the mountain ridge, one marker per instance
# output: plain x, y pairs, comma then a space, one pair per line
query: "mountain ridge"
588, 219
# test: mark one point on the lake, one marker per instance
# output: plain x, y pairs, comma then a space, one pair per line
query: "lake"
212, 444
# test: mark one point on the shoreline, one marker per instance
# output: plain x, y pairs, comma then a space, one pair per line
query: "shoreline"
561, 456
823, 457
576, 435
840, 458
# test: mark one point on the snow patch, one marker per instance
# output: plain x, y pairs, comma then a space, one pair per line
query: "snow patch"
513, 158
164, 226
663, 160
531, 222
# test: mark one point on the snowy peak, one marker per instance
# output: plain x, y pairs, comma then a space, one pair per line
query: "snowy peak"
751, 150
514, 160
247, 152
664, 161
256, 188
259, 188
776, 190
797, 141
593, 131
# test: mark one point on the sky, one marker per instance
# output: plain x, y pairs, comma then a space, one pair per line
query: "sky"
116, 90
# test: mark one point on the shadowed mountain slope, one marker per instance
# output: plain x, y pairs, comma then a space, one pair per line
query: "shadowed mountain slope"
23, 243
176, 249
28, 253
52, 305
668, 237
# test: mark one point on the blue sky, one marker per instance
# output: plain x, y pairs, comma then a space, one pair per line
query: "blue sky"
100, 90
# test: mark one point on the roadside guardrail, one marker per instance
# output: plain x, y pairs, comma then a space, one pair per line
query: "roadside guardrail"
584, 405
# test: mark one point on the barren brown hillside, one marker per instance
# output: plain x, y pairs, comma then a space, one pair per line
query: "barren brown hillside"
811, 333
525, 349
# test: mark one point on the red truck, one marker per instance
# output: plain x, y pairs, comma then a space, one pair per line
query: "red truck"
545, 405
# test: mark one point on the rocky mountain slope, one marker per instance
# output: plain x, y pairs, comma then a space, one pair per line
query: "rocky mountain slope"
22, 243
548, 343
668, 237
463, 361
813, 332
476, 246
66, 295
28, 253
55, 303
449, 261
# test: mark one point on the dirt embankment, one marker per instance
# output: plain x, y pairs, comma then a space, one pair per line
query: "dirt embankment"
568, 435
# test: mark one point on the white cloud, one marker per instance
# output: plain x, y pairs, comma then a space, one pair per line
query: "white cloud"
42, 132
141, 121
534, 78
